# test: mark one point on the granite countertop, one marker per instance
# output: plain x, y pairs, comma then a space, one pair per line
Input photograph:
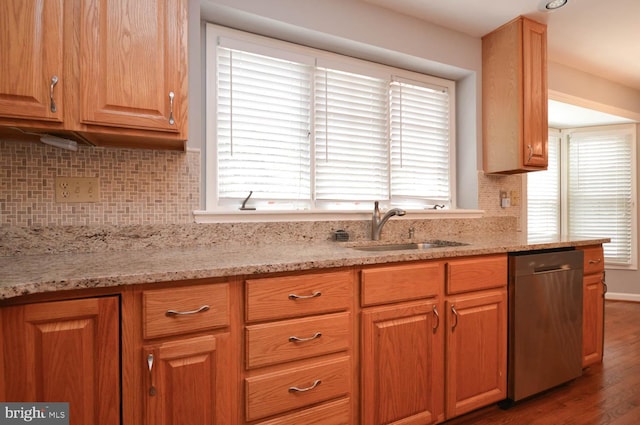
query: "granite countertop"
30, 274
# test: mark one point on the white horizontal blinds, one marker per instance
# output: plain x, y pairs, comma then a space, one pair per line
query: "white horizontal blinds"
543, 193
420, 154
600, 199
263, 127
351, 136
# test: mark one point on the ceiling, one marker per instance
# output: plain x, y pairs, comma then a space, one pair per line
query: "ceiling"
600, 37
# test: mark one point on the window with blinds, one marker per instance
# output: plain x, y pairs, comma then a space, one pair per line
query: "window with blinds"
304, 129
543, 194
601, 190
588, 190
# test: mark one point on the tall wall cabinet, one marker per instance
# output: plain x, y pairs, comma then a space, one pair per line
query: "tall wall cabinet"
110, 73
514, 98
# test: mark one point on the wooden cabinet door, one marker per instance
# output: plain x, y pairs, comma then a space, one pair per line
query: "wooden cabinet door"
187, 382
534, 52
402, 364
592, 319
31, 56
476, 350
65, 351
133, 55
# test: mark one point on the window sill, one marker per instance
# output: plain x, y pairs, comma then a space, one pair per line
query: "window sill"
201, 216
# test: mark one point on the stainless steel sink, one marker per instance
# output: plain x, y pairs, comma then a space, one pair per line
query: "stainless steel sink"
409, 246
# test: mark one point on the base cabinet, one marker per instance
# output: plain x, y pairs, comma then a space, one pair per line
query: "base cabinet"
64, 351
593, 306
401, 364
183, 381
476, 350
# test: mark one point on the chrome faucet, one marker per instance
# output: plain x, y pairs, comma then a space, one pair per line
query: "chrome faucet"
377, 223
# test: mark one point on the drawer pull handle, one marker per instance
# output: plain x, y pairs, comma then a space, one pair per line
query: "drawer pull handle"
302, 297
437, 316
301, 390
173, 313
311, 338
171, 120
152, 388
455, 316
595, 261
52, 102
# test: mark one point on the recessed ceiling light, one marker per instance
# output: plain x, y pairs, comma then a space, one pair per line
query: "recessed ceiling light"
555, 4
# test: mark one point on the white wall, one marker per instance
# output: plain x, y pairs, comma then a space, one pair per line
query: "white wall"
574, 86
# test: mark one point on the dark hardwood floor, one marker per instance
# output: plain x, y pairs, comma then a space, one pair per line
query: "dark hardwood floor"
606, 394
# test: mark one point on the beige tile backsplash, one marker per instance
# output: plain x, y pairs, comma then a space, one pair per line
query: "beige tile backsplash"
136, 186
147, 200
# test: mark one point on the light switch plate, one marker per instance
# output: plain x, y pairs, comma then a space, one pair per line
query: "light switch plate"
77, 189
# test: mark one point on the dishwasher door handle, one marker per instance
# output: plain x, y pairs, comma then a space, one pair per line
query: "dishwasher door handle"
552, 269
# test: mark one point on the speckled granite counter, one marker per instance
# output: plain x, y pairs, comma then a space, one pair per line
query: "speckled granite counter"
30, 274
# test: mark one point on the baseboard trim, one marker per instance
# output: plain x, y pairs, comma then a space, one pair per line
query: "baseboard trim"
621, 296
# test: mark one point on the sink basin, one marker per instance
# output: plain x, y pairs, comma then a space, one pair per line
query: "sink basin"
409, 246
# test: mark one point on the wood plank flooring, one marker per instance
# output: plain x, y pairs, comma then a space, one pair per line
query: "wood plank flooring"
606, 394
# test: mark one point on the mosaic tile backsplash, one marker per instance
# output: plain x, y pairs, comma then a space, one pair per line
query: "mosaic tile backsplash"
147, 198
136, 186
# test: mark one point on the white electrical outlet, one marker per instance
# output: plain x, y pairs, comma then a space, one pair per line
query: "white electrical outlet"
77, 189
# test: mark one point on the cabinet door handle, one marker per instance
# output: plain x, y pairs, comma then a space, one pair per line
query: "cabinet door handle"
301, 390
315, 294
311, 338
598, 261
455, 316
173, 313
171, 96
530, 152
52, 102
152, 388
437, 316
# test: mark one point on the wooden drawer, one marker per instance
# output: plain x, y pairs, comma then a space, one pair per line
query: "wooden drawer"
336, 412
159, 308
272, 393
593, 259
381, 285
477, 273
272, 343
300, 295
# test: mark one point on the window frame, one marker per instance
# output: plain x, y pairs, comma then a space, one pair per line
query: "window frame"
212, 205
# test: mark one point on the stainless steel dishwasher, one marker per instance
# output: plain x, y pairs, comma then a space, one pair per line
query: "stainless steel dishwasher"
545, 321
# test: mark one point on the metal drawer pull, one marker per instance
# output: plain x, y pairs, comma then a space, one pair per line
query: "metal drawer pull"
311, 338
173, 313
595, 261
171, 120
530, 152
302, 297
437, 316
455, 315
52, 103
152, 388
301, 390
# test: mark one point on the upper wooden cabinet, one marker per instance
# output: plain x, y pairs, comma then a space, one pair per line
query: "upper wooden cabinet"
514, 98
132, 64
120, 67
31, 60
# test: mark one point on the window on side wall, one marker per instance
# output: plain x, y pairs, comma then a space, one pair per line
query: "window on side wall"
307, 130
589, 190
